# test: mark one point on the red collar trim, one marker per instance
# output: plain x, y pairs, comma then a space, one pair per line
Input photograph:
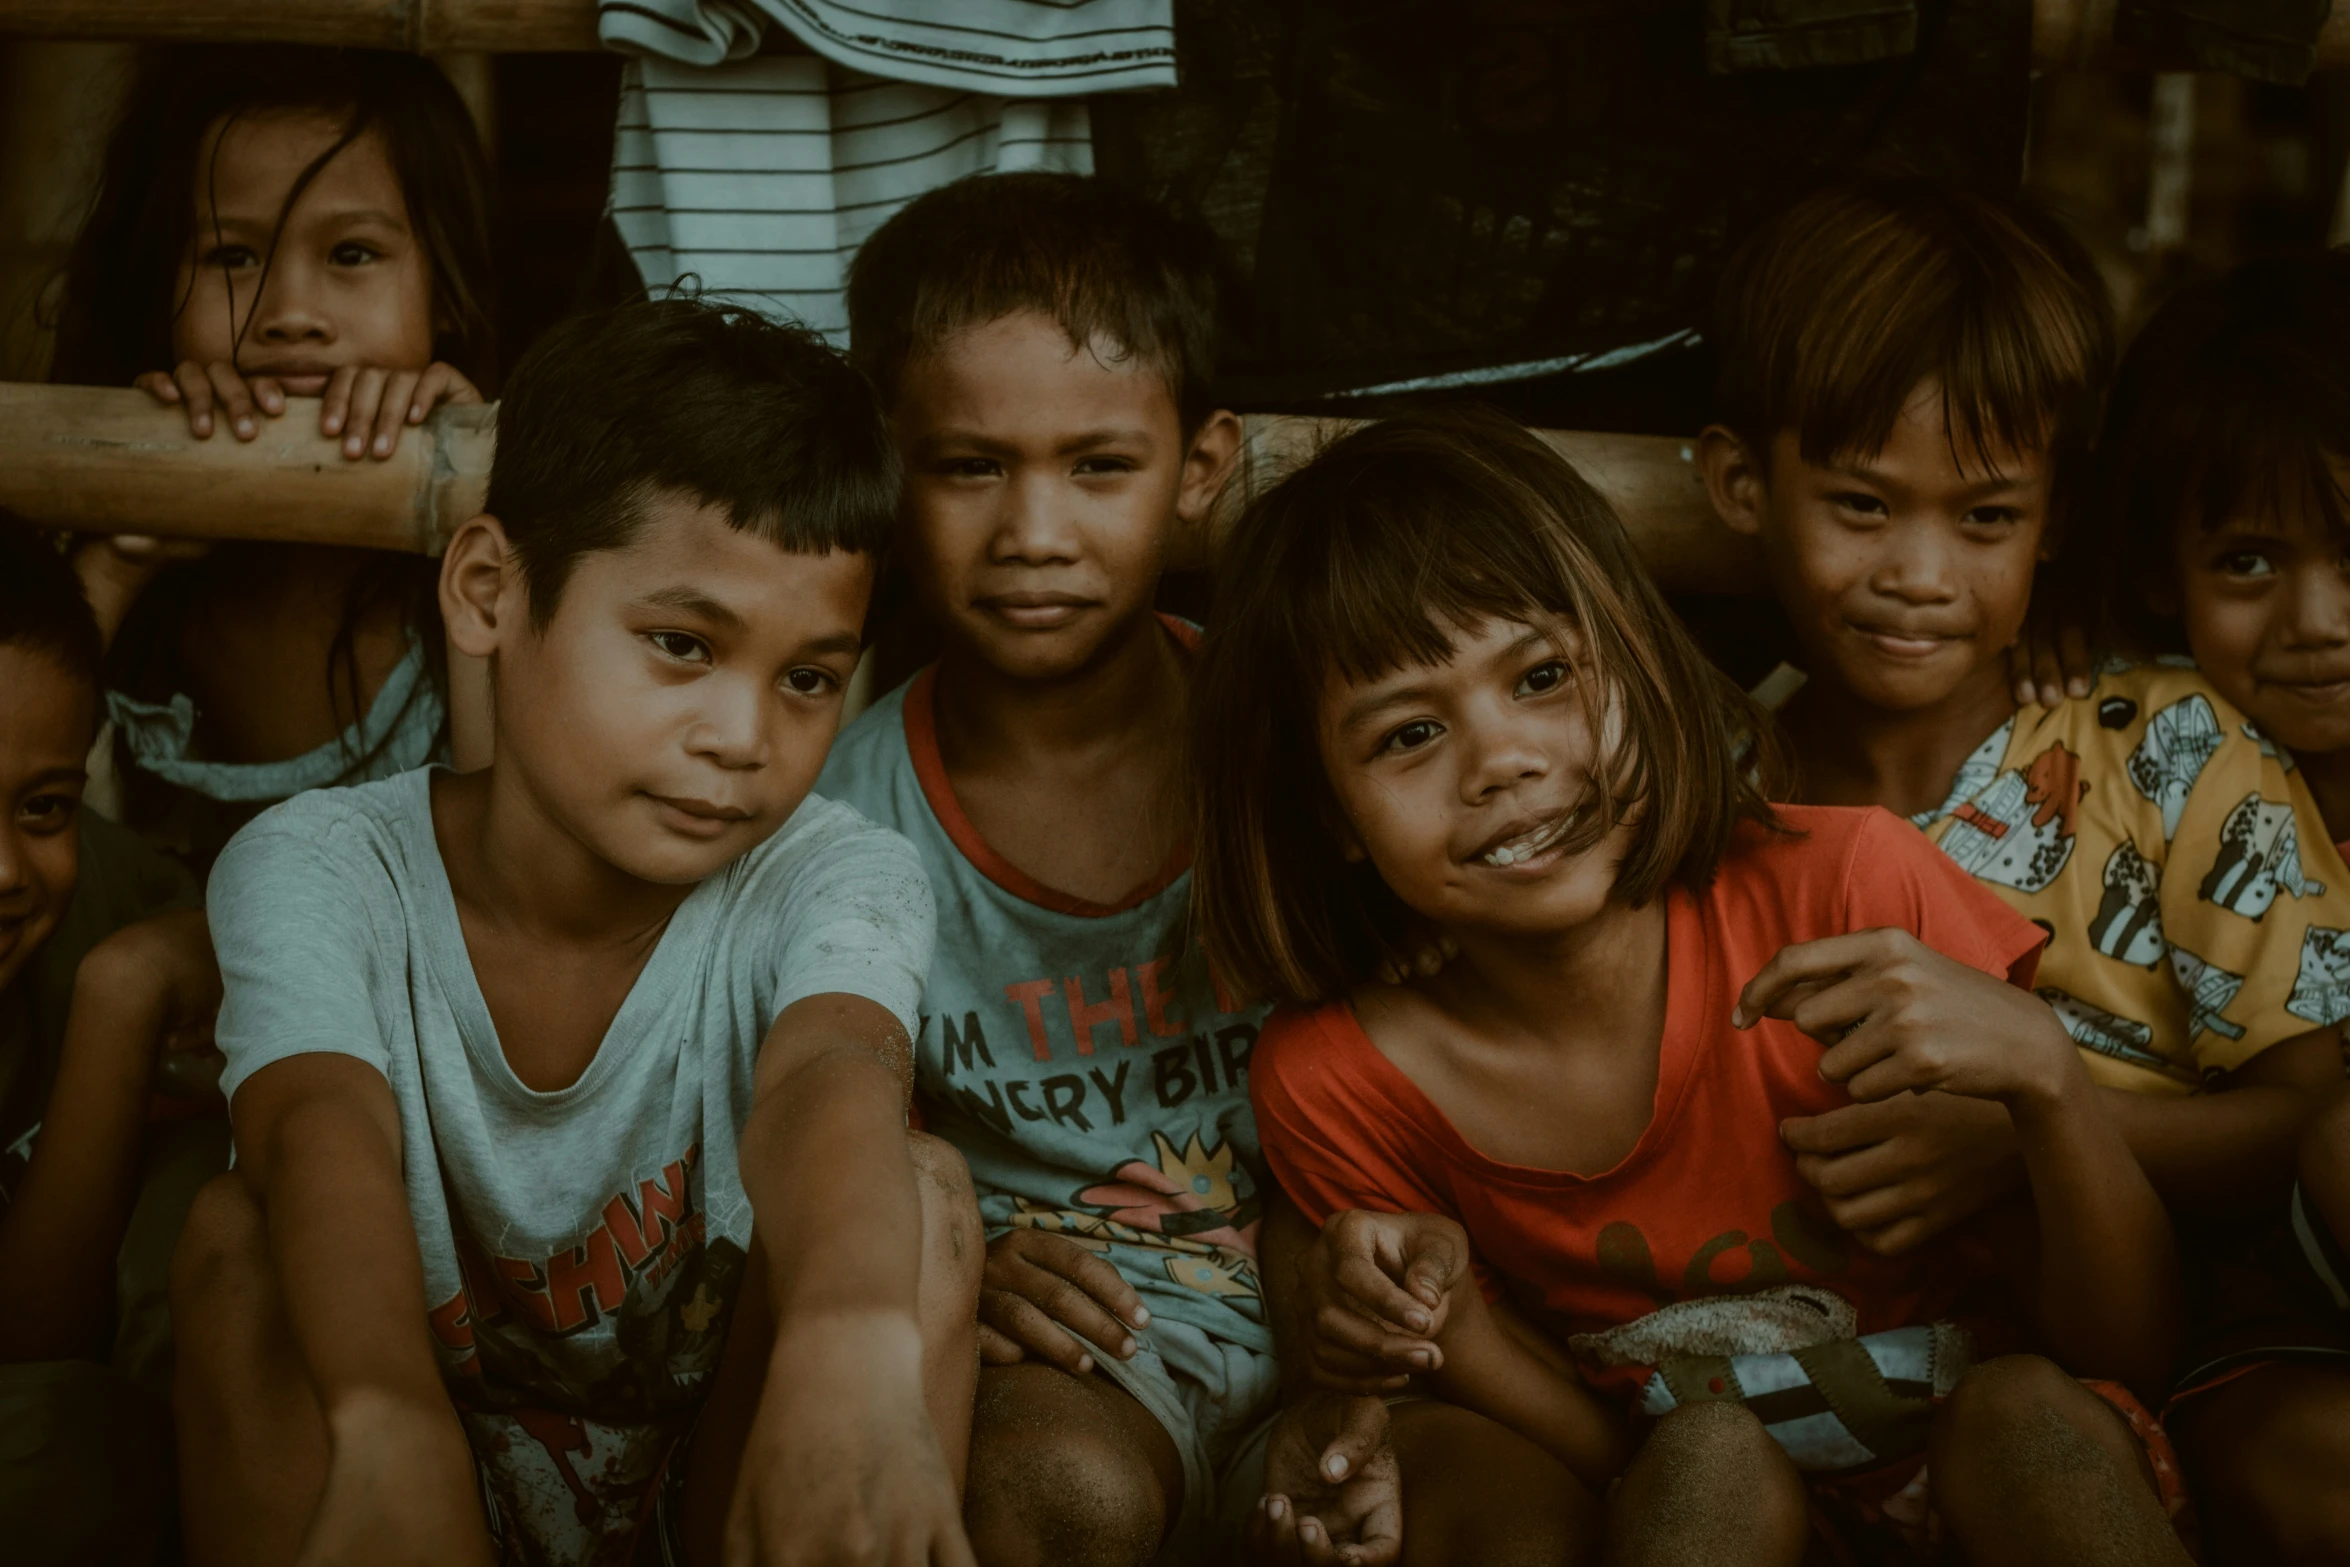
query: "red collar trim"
930, 771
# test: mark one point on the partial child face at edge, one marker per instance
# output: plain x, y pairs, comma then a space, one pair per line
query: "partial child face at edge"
678, 705
1042, 485
1458, 780
2265, 602
1909, 571
47, 718
348, 283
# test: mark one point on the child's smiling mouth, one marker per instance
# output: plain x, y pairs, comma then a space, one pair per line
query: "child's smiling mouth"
1904, 642
1035, 611
1521, 843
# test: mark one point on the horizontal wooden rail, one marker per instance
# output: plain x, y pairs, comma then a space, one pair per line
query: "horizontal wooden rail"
2066, 34
422, 26
107, 461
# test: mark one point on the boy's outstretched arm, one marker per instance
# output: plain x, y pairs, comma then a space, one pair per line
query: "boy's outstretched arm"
1898, 1016
318, 1142
843, 1451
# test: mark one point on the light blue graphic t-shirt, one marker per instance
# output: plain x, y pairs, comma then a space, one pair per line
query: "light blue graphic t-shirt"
1080, 1057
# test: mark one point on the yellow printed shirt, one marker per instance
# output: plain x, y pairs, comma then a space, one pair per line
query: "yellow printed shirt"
2197, 910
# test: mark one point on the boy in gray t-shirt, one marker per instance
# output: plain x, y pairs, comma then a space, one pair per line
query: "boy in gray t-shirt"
575, 1218
1043, 342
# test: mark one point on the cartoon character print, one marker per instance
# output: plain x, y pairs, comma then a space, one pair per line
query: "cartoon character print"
2321, 989
2018, 831
2209, 989
1187, 1201
2268, 748
2094, 1028
2259, 853
1188, 1192
2171, 755
2128, 924
1973, 776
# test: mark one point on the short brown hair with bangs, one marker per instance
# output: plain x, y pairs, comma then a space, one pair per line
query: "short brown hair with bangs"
1368, 560
1830, 317
1104, 263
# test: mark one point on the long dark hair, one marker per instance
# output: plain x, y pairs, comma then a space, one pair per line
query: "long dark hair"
121, 297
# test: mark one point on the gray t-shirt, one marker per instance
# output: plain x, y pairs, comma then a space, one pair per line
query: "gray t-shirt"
582, 1247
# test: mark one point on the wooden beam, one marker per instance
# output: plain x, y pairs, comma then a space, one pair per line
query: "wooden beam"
2066, 34
420, 26
107, 461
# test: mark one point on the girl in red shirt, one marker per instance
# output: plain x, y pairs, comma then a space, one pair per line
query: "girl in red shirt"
1563, 1255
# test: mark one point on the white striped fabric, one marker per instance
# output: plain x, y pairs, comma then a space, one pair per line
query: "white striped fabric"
760, 177
1016, 48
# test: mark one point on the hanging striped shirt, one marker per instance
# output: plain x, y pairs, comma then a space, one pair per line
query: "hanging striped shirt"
1020, 48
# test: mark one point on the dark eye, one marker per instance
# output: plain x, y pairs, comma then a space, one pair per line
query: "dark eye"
1411, 736
233, 258
969, 468
1105, 465
1857, 502
1993, 517
682, 646
1548, 675
809, 681
2246, 563
49, 813
351, 253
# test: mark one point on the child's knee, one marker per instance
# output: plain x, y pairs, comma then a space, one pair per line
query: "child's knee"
1051, 1486
1718, 1436
1703, 1454
223, 1250
2019, 1420
2268, 1456
951, 1232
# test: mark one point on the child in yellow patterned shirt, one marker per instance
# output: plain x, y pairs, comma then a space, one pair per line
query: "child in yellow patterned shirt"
1911, 379
2222, 529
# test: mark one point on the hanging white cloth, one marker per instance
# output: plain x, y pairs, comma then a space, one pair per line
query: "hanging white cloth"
1017, 48
761, 177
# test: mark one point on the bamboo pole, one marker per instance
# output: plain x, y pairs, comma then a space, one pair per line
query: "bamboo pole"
107, 461
2066, 34
419, 26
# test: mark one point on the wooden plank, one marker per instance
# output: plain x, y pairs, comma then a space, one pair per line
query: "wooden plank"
425, 26
2066, 34
107, 461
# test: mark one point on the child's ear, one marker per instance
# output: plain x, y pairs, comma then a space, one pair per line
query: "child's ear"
1206, 465
1733, 479
482, 595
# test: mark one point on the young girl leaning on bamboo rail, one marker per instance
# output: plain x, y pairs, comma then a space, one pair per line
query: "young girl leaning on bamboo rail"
275, 224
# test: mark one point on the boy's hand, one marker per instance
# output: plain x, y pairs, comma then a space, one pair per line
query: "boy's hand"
2047, 664
400, 1492
1376, 1292
368, 407
1902, 1170
1044, 1295
1896, 1015
842, 1463
1333, 1493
